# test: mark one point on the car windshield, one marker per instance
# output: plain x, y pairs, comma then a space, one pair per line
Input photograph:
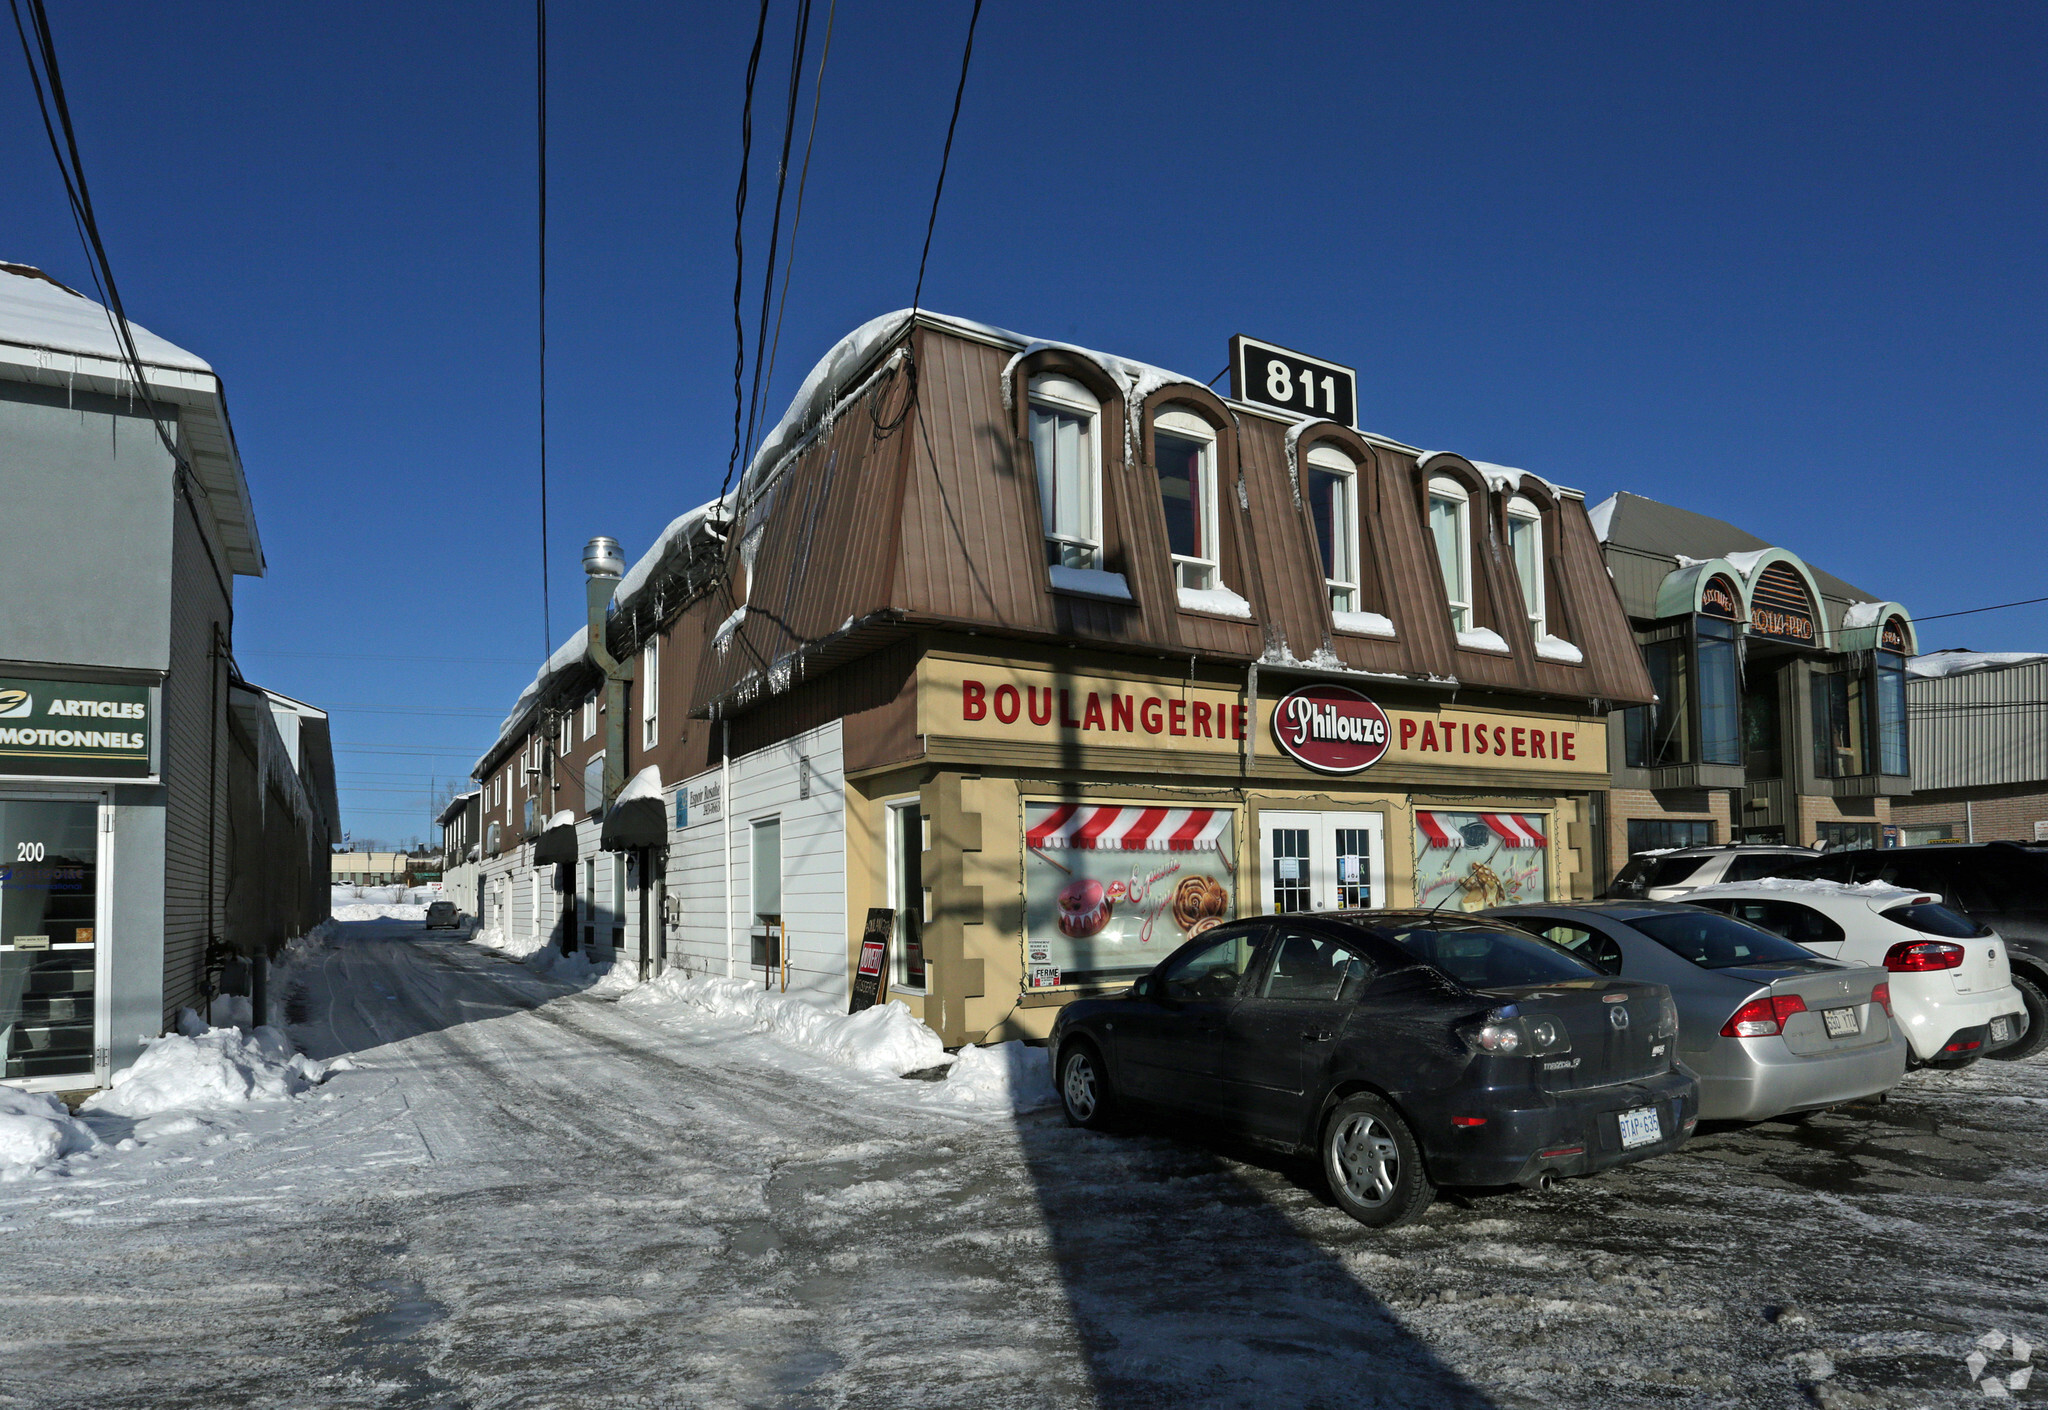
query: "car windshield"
1714, 941
1492, 959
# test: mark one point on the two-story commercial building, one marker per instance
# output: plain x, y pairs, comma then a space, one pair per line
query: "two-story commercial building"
164, 825
1058, 659
1781, 690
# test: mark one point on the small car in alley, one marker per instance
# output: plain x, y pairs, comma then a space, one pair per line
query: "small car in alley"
1770, 1028
442, 914
1951, 981
1405, 1049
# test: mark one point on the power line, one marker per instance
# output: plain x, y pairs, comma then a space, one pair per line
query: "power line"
739, 252
945, 158
803, 177
798, 45
547, 624
1973, 611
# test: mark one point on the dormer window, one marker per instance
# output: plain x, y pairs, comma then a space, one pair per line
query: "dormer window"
1450, 527
1333, 505
1067, 447
1525, 547
1184, 448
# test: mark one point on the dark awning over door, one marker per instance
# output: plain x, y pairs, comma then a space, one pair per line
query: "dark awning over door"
634, 823
557, 841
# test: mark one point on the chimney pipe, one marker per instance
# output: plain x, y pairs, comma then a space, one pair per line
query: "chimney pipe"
603, 566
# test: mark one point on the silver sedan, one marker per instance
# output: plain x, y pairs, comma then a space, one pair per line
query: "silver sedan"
1768, 1026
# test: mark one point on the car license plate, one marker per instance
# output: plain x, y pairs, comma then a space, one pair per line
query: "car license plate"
1640, 1127
1842, 1023
2001, 1030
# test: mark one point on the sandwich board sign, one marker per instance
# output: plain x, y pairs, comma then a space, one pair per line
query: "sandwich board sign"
871, 972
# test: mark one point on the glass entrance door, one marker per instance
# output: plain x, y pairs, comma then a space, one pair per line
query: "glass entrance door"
1322, 862
49, 933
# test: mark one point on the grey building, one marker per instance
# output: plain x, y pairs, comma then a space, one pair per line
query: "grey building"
1781, 710
163, 823
1980, 753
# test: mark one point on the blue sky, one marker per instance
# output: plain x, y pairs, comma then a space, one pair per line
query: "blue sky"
1779, 264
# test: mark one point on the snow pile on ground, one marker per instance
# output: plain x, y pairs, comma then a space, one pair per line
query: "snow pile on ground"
35, 1131
382, 910
885, 1038
201, 1067
1007, 1077
518, 947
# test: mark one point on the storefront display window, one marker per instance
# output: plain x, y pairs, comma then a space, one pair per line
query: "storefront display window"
906, 891
1720, 674
1470, 861
49, 889
1110, 889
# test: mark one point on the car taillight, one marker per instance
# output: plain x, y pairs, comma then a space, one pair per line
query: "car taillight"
1763, 1016
1667, 1017
1882, 997
1919, 956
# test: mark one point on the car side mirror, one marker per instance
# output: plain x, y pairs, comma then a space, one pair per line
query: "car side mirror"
1145, 987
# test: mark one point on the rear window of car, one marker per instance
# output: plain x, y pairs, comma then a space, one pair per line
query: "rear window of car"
1714, 941
1492, 959
1751, 865
1930, 919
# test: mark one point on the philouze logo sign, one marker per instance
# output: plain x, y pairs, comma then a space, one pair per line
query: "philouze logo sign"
1331, 728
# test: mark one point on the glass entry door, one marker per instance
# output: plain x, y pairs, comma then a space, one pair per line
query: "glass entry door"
49, 934
1322, 862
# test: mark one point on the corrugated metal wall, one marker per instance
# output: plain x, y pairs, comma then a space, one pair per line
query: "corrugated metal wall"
1982, 727
194, 708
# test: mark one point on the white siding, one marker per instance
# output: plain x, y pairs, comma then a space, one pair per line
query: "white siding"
766, 784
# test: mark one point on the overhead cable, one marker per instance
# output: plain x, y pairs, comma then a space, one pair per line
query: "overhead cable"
540, 46
803, 176
798, 44
739, 254
946, 157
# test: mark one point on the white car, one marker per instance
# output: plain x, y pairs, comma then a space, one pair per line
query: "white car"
1951, 984
1669, 874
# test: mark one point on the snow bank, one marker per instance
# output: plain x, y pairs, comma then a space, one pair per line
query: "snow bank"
884, 1039
35, 1131
210, 1068
380, 911
1006, 1077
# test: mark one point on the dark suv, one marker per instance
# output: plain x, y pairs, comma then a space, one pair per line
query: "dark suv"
2000, 884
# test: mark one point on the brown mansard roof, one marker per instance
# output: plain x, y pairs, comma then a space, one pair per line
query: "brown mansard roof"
915, 504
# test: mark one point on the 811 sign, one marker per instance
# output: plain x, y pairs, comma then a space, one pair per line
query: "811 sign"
1279, 377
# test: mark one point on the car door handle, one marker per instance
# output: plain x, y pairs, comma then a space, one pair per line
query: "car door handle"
1317, 1035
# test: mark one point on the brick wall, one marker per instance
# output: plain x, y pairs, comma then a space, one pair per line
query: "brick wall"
1989, 814
1690, 804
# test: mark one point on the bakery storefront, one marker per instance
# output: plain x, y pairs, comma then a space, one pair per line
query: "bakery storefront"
1069, 826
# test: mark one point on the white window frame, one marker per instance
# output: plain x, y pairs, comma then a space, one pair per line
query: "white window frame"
1524, 516
899, 964
1344, 587
1056, 394
1458, 595
650, 693
1201, 574
590, 714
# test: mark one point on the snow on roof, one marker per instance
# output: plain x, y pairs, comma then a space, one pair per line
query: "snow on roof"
566, 655
1602, 515
678, 533
565, 818
1503, 479
1874, 892
1959, 661
1862, 614
38, 312
1745, 563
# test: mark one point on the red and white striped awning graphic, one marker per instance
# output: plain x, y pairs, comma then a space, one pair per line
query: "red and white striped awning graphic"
1513, 829
1129, 829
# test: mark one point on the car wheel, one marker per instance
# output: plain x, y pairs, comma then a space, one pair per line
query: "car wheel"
2037, 1022
1085, 1093
1373, 1164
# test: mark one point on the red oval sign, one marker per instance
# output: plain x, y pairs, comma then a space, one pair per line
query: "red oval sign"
1331, 728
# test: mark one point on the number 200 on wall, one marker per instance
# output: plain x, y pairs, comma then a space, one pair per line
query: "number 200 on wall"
1291, 381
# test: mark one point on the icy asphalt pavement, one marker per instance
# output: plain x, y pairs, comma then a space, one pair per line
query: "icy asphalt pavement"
531, 1196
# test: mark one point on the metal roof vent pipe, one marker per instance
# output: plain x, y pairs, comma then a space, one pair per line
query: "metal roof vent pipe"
603, 566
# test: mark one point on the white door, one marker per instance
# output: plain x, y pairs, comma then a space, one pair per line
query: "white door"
1322, 862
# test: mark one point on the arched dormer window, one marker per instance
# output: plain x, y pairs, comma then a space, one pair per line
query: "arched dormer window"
1450, 529
1184, 449
1525, 548
1066, 443
1333, 506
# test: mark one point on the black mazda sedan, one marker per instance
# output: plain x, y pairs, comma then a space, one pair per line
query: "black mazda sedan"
1407, 1049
